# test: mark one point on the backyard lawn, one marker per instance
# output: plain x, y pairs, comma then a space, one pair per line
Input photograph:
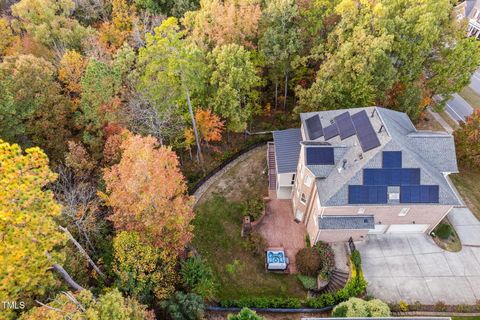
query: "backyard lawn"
467, 184
239, 271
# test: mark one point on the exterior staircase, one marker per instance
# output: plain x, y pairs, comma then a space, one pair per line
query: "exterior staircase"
337, 281
272, 167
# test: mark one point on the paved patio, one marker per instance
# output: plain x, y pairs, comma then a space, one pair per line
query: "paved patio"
280, 230
413, 268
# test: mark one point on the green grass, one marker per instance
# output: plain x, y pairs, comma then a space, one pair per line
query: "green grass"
467, 184
448, 119
239, 272
471, 97
465, 318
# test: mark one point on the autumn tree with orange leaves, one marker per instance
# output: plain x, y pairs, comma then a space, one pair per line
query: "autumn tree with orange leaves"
147, 192
467, 140
209, 125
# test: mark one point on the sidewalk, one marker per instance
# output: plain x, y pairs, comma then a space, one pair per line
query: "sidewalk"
440, 120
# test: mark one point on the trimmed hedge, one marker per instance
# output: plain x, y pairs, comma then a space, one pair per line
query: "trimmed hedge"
263, 302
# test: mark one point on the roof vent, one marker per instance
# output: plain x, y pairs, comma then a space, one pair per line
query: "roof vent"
344, 164
381, 128
373, 112
360, 156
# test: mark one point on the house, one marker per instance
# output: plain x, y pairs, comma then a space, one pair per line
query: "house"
367, 170
470, 10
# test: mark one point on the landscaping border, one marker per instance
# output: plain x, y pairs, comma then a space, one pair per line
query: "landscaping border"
273, 310
203, 184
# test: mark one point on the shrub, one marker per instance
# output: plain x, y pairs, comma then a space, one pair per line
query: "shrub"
463, 308
356, 307
327, 257
307, 282
184, 306
357, 260
254, 207
403, 306
477, 305
440, 306
443, 230
377, 308
307, 241
255, 244
308, 261
198, 277
245, 314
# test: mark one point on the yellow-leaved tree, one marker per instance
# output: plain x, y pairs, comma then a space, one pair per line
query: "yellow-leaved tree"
29, 236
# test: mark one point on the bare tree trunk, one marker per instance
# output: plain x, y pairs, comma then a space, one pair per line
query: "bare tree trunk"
82, 251
194, 125
64, 274
276, 94
286, 91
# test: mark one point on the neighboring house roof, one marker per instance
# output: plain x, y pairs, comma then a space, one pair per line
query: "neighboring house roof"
287, 149
469, 6
433, 153
346, 222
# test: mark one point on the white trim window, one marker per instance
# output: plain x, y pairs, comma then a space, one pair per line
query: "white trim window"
403, 212
308, 180
303, 198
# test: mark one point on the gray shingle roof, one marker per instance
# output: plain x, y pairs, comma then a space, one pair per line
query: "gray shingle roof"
346, 222
287, 149
432, 152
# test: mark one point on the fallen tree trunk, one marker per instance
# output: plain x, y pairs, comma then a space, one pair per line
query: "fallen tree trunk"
83, 252
64, 274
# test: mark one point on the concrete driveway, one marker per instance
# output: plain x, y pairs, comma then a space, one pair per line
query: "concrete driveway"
475, 81
458, 108
466, 225
413, 268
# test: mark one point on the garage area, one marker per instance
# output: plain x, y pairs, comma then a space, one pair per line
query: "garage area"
411, 267
399, 228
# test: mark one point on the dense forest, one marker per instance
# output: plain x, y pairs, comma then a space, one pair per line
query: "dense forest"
111, 109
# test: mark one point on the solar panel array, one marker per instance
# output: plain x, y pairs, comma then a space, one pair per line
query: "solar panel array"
419, 194
391, 177
367, 194
392, 159
377, 180
330, 131
345, 125
365, 132
314, 127
319, 156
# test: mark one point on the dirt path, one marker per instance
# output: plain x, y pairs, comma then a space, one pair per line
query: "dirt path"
246, 172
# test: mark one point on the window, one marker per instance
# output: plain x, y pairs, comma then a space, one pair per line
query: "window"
303, 198
308, 181
293, 178
403, 212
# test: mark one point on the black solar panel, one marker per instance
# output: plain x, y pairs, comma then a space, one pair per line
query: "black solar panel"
392, 159
345, 125
320, 155
419, 194
330, 131
391, 177
365, 132
367, 194
314, 127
